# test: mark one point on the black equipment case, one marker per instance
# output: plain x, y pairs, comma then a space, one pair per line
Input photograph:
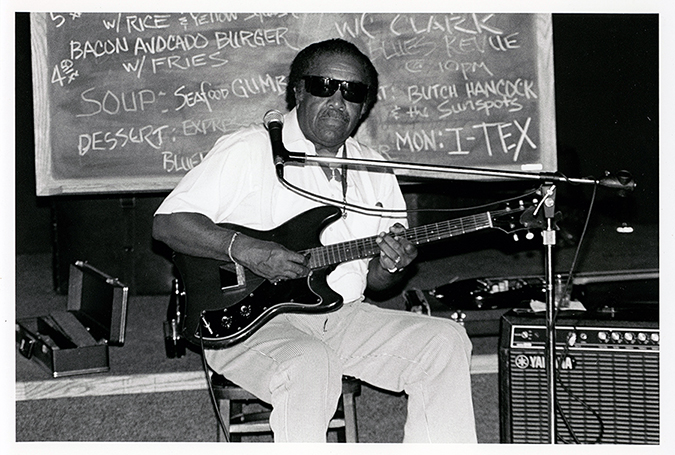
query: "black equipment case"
75, 340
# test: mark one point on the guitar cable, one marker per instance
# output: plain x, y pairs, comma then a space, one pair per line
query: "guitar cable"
214, 402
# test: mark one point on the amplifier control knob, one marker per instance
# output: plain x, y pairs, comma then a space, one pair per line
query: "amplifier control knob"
616, 336
602, 336
629, 337
655, 337
642, 337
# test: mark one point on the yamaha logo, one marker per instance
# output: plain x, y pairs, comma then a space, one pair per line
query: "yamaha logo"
524, 362
521, 361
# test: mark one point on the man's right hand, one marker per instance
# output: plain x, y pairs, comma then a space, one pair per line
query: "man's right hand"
268, 259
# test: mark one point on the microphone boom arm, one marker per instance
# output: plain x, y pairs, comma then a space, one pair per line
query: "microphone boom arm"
622, 180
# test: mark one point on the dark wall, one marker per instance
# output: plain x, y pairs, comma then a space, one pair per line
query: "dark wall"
607, 103
606, 79
33, 214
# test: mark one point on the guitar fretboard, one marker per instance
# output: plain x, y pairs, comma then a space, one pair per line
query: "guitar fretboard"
338, 253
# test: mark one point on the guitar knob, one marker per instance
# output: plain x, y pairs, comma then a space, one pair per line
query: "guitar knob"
226, 321
245, 310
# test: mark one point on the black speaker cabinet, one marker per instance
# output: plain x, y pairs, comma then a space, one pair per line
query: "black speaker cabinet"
115, 234
607, 386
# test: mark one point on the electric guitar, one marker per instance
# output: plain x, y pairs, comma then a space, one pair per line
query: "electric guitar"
226, 303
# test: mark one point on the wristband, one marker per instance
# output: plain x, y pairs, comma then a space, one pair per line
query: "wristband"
229, 248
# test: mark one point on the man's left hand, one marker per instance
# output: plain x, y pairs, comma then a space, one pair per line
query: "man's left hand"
396, 252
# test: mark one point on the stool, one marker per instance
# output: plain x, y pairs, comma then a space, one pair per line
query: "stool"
230, 399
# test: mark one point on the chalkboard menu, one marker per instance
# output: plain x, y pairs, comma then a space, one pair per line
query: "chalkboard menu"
130, 102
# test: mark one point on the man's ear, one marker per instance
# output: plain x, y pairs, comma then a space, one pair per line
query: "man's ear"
362, 115
299, 94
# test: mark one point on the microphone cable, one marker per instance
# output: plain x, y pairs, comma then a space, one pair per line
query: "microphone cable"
570, 274
570, 393
558, 377
379, 211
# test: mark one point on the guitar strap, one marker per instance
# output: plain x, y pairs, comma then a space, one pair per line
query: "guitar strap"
344, 184
341, 176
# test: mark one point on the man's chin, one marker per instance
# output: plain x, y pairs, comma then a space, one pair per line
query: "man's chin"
331, 140
333, 131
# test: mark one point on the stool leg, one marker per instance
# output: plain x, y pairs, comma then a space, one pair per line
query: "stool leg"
349, 408
225, 412
236, 408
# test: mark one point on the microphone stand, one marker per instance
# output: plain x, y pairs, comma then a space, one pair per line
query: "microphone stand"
622, 181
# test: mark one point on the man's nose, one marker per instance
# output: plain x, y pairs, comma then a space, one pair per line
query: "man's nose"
337, 100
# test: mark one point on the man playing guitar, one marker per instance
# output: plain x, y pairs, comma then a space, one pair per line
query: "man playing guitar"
295, 360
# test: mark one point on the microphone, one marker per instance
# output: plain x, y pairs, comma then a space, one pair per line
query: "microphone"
622, 181
274, 122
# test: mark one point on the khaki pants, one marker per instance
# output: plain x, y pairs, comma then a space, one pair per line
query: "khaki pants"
295, 362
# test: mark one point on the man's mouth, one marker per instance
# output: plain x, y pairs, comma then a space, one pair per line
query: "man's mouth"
332, 115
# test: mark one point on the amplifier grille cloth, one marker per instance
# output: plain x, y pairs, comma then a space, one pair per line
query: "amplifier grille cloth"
621, 387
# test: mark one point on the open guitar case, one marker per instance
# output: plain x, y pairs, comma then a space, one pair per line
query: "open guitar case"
76, 340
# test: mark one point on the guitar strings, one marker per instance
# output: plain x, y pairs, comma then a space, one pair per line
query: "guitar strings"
337, 253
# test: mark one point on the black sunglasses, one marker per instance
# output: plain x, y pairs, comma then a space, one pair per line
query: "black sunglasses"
324, 87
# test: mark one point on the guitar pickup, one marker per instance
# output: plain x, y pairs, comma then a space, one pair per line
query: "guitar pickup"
232, 280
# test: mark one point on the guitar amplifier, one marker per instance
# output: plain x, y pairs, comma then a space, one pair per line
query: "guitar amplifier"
607, 377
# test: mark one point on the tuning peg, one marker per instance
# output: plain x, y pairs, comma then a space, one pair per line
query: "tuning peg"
529, 235
515, 237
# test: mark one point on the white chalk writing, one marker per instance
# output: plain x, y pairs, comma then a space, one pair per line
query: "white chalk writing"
98, 48
174, 162
158, 44
206, 94
508, 138
200, 19
502, 87
64, 71
245, 88
183, 63
114, 104
193, 127
237, 39
109, 140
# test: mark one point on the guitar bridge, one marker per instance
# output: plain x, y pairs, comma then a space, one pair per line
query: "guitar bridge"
232, 280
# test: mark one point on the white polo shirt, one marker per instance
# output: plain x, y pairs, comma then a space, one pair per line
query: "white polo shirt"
237, 183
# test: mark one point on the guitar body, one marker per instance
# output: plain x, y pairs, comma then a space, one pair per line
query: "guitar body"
231, 304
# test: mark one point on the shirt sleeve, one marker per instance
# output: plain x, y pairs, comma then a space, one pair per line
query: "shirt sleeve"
218, 184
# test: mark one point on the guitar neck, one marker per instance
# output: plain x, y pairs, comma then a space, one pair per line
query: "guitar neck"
329, 255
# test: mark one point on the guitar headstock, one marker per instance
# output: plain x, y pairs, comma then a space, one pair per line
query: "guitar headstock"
517, 216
